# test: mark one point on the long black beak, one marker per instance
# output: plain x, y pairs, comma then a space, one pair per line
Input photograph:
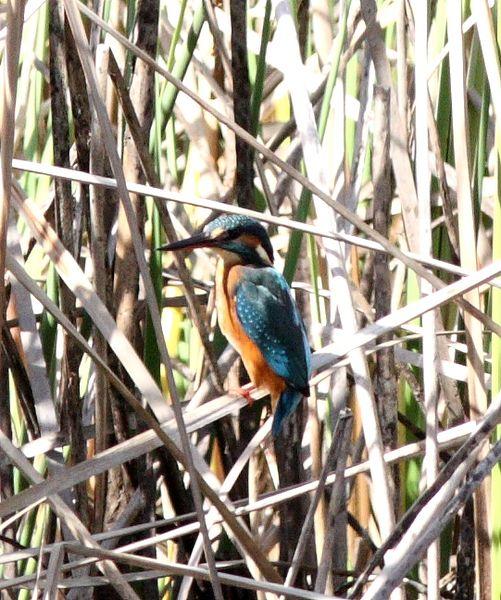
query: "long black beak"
199, 240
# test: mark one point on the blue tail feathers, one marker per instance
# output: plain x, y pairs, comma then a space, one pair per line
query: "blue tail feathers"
286, 405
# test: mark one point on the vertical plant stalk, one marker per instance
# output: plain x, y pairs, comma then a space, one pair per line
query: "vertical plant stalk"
496, 376
316, 443
65, 209
496, 340
81, 113
467, 245
402, 62
385, 386
447, 201
288, 454
6, 472
64, 206
448, 386
467, 238
490, 52
257, 88
126, 274
337, 499
98, 237
496, 354
15, 14
465, 552
292, 67
400, 158
430, 370
244, 174
126, 286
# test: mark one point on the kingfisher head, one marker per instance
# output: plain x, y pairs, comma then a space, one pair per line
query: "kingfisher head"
236, 238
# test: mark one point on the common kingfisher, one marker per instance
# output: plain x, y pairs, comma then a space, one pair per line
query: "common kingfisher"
256, 311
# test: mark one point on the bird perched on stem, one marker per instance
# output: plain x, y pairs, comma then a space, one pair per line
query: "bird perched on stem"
256, 311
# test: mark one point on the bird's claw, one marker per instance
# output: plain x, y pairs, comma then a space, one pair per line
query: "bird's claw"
246, 393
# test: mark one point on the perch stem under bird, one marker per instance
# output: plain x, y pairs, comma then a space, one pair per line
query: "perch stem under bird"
256, 311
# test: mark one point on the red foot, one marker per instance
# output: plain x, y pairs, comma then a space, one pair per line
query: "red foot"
246, 393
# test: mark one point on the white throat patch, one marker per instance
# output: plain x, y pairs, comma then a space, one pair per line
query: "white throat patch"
263, 254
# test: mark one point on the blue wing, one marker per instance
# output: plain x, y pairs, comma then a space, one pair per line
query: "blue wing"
271, 319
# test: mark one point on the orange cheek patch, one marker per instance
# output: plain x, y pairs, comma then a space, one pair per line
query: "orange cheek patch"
249, 240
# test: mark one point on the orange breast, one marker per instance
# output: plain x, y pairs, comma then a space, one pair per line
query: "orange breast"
261, 374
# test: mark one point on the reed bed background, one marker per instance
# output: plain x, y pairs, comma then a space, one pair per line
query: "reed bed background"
366, 136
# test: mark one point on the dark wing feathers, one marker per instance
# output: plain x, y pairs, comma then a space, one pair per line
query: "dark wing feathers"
271, 319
